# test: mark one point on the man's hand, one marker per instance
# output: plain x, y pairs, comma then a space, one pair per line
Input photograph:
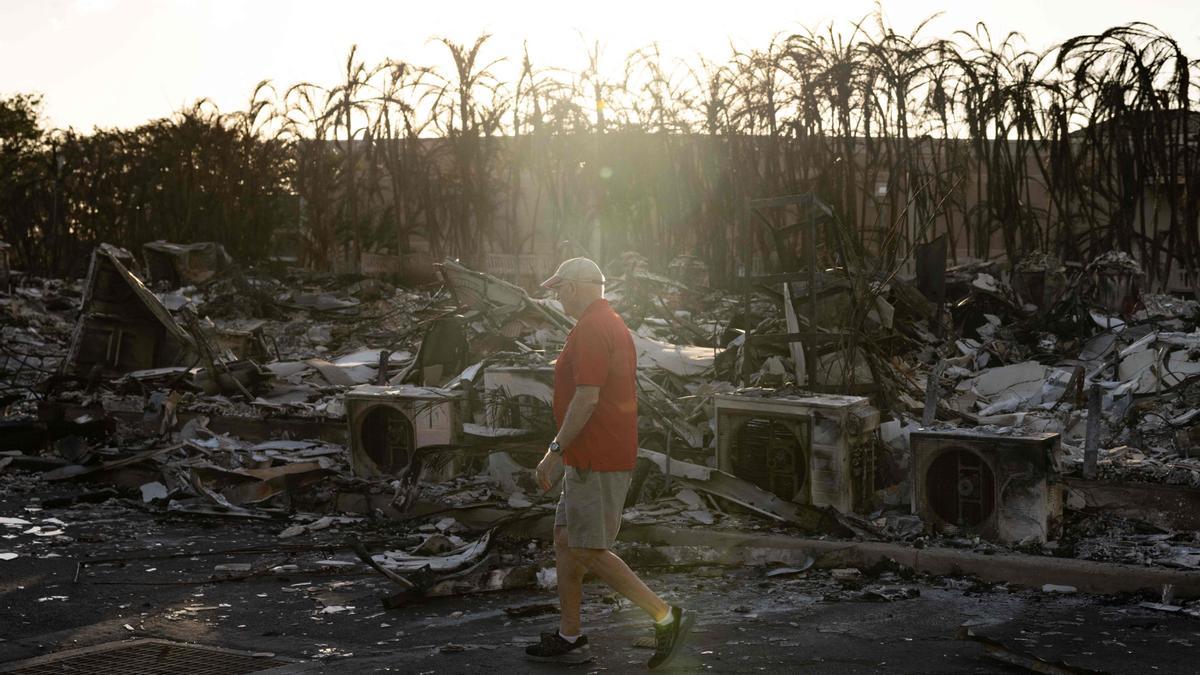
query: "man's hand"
583, 402
549, 470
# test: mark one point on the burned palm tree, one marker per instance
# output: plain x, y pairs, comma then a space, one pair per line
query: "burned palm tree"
307, 122
397, 129
1087, 147
348, 103
467, 110
1138, 142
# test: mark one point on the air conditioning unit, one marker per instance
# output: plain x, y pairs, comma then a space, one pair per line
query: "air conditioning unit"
999, 487
389, 424
808, 448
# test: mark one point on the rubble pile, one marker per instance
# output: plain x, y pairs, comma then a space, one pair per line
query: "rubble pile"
1046, 408
36, 329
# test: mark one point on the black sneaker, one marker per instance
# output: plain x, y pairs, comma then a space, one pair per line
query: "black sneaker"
670, 638
555, 649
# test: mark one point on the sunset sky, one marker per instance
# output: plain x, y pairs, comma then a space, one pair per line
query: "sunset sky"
121, 62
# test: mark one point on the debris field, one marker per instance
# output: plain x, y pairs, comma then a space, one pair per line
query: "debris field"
337, 471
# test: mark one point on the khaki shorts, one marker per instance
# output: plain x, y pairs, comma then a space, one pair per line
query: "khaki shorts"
590, 506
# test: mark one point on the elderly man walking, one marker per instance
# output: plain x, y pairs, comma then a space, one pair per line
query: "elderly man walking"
595, 406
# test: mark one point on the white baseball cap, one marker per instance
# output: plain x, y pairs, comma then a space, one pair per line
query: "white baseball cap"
580, 270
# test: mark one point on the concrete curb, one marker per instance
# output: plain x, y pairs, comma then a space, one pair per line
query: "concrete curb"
1021, 570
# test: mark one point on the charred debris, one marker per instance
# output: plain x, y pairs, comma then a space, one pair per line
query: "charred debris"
1033, 412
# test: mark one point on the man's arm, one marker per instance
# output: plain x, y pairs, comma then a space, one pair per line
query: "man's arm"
583, 403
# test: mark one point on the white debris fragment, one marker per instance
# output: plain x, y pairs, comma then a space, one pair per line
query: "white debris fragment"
1161, 606
153, 490
845, 573
986, 282
1006, 404
1107, 322
454, 559
320, 524
689, 497
1020, 379
682, 360
503, 470
784, 571
895, 433
1139, 367
320, 334
293, 531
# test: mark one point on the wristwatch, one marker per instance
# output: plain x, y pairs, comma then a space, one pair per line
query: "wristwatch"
555, 447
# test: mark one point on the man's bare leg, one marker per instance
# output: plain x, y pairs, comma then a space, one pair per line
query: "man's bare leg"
570, 584
614, 572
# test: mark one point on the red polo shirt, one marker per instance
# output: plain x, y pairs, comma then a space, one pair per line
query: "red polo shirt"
600, 352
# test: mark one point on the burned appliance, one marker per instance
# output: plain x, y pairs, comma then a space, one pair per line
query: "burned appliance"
519, 397
123, 326
808, 448
997, 486
388, 425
